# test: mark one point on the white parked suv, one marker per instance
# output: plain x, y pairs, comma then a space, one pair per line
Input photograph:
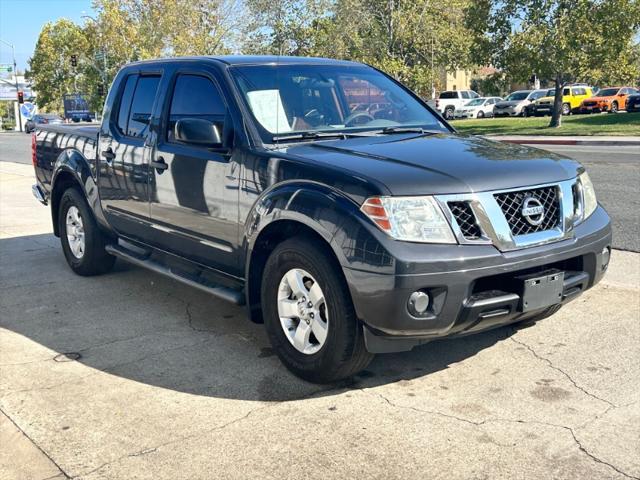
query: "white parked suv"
477, 108
450, 100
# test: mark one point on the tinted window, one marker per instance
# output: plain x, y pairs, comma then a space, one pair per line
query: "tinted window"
521, 95
465, 94
125, 103
141, 106
449, 95
473, 94
195, 96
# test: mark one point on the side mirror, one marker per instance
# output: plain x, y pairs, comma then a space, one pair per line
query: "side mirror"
197, 131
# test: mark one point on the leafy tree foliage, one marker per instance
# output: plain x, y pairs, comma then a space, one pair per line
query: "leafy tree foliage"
560, 40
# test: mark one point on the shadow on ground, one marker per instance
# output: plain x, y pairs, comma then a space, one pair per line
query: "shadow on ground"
143, 327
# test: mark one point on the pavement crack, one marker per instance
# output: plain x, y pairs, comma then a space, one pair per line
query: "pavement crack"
35, 444
561, 371
486, 421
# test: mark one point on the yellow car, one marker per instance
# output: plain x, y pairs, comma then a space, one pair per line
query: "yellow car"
572, 98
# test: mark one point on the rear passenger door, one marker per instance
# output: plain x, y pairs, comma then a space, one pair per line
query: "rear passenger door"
124, 152
194, 187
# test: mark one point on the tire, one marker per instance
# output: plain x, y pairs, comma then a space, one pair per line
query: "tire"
614, 107
566, 109
342, 354
480, 114
525, 112
92, 259
448, 113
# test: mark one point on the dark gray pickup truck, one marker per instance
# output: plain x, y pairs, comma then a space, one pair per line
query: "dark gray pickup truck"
344, 212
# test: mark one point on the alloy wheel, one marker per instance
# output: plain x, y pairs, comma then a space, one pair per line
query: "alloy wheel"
75, 232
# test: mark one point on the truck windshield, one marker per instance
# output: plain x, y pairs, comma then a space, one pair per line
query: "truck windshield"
289, 99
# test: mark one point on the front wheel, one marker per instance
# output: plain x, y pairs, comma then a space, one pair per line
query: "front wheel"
614, 107
480, 114
448, 113
566, 109
82, 240
309, 315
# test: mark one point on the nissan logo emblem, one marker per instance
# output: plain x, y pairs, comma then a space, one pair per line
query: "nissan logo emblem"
532, 211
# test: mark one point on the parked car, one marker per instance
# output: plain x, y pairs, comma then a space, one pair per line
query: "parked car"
529, 109
513, 105
477, 108
609, 99
42, 119
345, 233
450, 100
572, 98
633, 102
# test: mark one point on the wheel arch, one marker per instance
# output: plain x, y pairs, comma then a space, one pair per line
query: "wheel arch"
314, 211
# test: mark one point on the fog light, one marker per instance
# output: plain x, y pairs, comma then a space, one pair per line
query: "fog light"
606, 255
418, 303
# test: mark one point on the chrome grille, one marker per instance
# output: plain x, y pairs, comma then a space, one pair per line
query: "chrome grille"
466, 220
511, 204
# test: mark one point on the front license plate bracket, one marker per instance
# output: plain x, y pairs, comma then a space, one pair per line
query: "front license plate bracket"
541, 290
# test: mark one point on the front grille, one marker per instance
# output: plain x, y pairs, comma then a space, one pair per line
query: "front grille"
511, 204
463, 214
589, 104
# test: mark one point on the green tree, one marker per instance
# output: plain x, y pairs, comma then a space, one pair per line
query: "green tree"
50, 69
559, 40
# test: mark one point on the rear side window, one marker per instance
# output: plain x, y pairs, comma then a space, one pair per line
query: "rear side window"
449, 95
195, 96
465, 94
125, 103
141, 106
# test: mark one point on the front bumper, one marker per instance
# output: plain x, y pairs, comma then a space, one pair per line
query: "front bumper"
472, 288
507, 112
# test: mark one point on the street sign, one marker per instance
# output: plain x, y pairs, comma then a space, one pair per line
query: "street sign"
5, 67
27, 109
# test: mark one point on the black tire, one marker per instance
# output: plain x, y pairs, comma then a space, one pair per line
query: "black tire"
614, 107
480, 114
566, 109
94, 260
448, 113
343, 353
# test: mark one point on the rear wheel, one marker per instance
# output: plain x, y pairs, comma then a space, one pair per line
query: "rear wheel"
448, 113
82, 241
309, 315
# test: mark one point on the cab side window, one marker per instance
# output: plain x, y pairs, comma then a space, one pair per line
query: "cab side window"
125, 103
141, 106
195, 96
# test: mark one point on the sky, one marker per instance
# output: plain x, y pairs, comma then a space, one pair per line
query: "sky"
22, 20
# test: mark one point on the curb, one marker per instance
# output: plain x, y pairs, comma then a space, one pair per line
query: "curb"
602, 143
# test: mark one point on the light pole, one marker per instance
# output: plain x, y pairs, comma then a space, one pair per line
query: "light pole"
15, 76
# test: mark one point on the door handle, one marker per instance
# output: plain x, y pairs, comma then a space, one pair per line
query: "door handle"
108, 154
160, 165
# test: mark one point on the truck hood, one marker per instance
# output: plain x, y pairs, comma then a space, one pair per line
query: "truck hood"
411, 164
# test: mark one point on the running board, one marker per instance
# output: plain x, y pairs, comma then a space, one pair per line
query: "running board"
225, 293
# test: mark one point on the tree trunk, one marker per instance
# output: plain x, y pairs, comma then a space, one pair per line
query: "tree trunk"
556, 114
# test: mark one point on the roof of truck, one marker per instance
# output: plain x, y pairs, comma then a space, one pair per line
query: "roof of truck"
253, 60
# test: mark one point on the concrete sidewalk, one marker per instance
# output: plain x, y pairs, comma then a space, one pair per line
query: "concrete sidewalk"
595, 140
131, 375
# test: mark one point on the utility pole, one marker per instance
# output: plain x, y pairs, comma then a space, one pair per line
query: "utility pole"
15, 76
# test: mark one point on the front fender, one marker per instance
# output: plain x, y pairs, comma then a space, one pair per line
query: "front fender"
356, 242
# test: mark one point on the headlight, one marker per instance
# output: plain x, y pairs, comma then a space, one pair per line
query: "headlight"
413, 219
588, 195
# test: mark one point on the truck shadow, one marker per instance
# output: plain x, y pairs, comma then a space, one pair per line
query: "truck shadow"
143, 327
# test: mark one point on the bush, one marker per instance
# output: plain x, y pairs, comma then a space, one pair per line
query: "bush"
8, 125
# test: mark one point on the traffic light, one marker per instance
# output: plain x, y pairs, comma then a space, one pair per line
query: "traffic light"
74, 60
20, 96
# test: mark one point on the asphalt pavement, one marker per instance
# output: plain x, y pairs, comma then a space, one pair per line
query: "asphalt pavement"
132, 375
615, 172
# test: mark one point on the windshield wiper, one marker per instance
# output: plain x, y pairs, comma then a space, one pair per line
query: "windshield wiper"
311, 136
392, 130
